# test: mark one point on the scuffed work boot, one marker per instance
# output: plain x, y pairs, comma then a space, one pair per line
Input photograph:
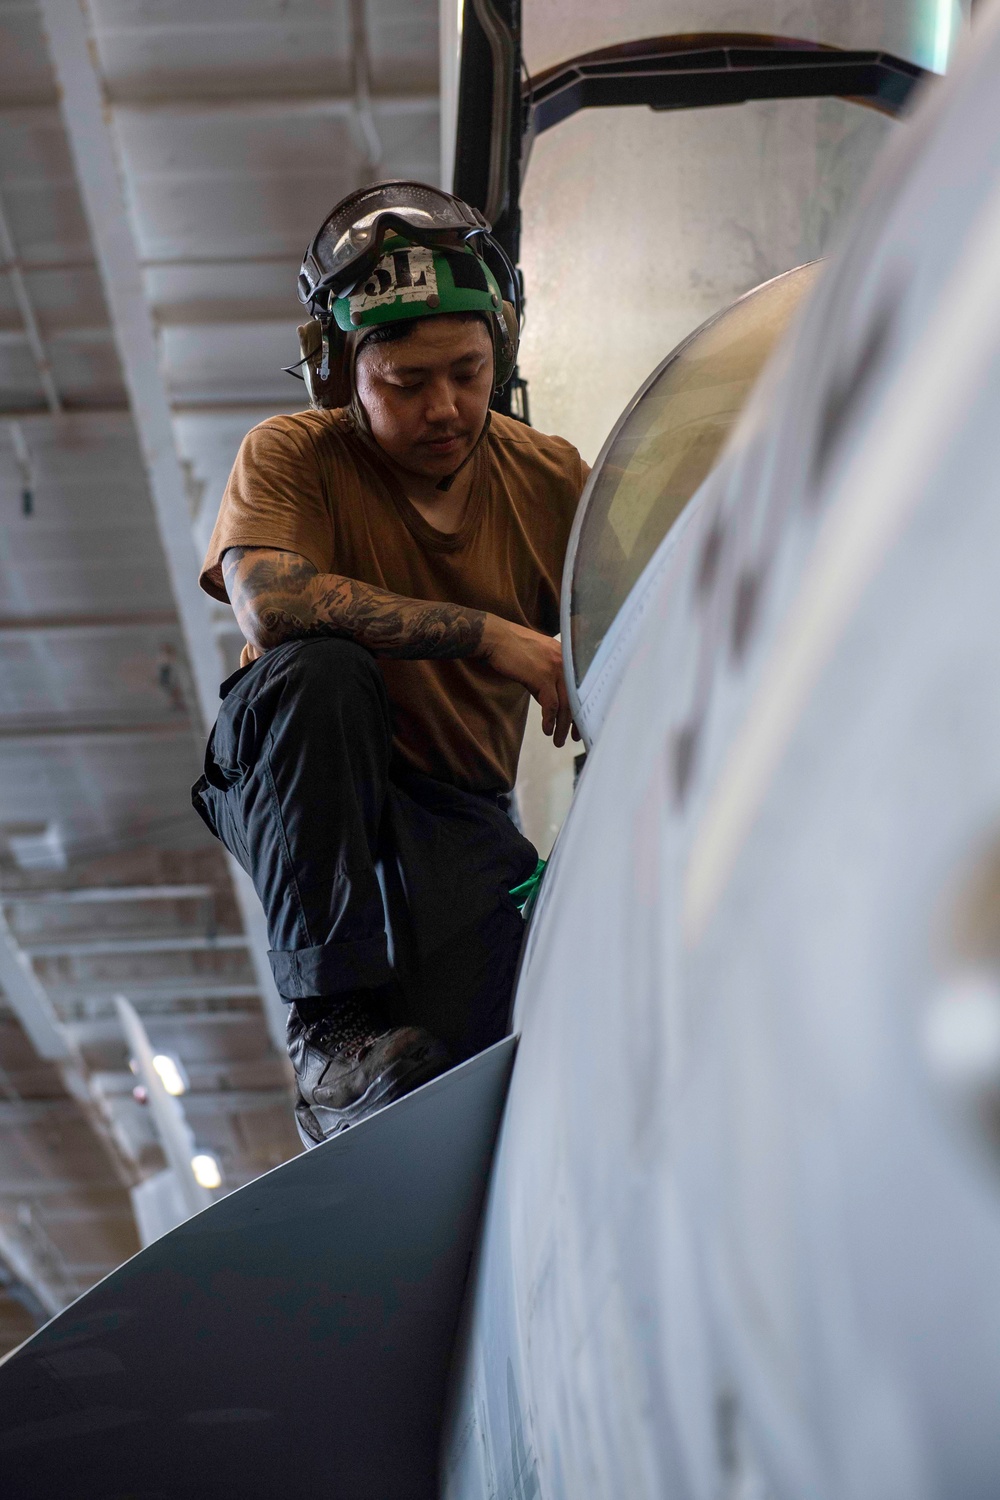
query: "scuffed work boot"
350, 1062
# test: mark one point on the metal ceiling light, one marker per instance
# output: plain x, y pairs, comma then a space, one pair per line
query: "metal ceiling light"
172, 1074
206, 1170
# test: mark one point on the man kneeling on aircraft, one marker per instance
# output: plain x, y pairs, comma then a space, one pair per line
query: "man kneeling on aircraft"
393, 556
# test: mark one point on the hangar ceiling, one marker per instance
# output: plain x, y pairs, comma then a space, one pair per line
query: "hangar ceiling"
162, 165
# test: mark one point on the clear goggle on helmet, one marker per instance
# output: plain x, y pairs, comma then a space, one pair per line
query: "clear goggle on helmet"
349, 242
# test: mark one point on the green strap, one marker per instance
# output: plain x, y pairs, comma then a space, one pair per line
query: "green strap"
523, 893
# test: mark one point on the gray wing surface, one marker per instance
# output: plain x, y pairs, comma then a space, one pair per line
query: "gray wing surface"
292, 1339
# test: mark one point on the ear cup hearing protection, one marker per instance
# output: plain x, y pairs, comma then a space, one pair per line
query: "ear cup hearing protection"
336, 387
506, 336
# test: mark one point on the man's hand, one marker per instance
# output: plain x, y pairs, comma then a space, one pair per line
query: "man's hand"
534, 660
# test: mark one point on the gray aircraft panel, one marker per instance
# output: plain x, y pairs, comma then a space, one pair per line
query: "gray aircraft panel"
743, 1234
292, 1339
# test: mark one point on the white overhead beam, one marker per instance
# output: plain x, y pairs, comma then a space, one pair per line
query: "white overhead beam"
12, 335
105, 1029
86, 1213
188, 316
26, 1188
307, 106
22, 1114
236, 1101
43, 733
101, 894
37, 416
64, 263
149, 992
253, 407
188, 942
86, 1272
159, 619
290, 257
100, 174
275, 106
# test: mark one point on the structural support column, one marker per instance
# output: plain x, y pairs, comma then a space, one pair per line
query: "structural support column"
29, 1002
25, 1281
100, 176
50, 1039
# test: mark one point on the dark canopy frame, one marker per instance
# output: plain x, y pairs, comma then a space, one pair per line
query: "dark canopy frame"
499, 115
692, 72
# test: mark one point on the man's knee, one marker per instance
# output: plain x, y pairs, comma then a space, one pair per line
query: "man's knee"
326, 673
302, 689
322, 657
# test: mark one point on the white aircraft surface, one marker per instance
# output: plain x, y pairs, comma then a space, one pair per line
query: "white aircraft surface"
743, 1233
741, 1238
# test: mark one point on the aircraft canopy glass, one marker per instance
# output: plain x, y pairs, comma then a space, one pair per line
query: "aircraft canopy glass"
662, 450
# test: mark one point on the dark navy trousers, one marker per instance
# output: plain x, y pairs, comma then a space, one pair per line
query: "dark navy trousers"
366, 871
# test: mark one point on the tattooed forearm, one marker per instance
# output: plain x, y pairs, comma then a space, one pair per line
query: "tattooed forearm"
279, 596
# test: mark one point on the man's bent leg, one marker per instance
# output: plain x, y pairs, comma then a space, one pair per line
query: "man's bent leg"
463, 992
460, 855
295, 782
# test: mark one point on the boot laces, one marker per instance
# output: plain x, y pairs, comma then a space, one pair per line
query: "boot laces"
349, 1030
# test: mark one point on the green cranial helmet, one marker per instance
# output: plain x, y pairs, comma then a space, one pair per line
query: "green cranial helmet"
388, 253
415, 281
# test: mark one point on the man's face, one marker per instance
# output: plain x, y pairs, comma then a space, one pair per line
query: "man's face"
427, 395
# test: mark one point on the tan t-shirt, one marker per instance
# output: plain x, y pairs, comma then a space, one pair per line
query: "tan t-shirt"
306, 484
